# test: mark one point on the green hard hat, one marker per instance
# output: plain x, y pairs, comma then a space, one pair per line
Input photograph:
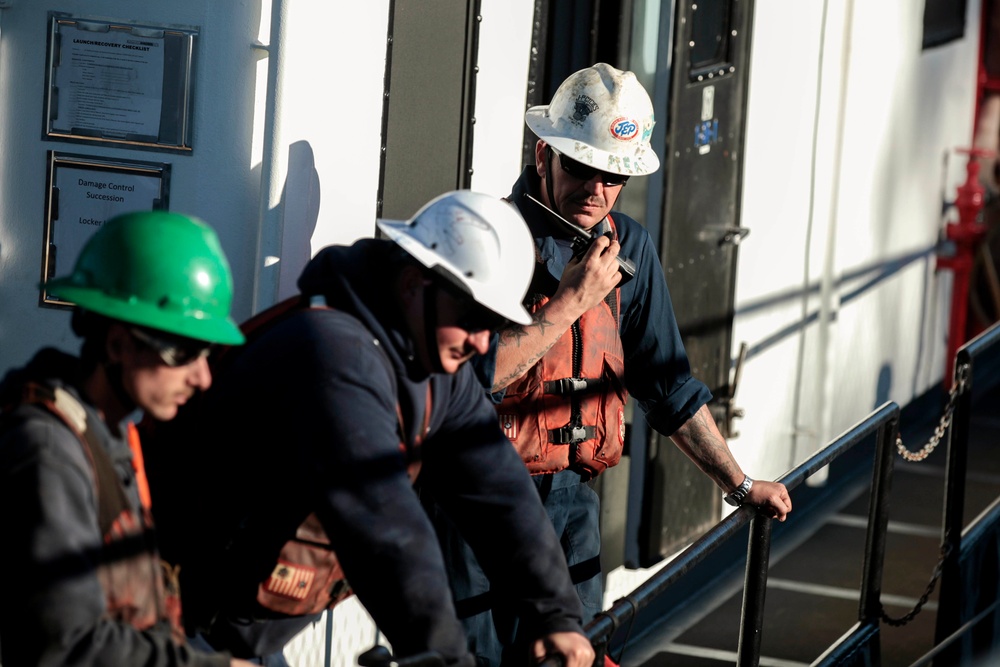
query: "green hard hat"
157, 269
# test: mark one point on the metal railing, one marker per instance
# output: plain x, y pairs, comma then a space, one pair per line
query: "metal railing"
883, 423
972, 555
964, 602
972, 560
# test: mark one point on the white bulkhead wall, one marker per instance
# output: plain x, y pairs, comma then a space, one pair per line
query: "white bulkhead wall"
849, 122
320, 183
218, 181
501, 91
296, 169
315, 141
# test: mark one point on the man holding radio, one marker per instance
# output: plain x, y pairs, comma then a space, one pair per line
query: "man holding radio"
601, 329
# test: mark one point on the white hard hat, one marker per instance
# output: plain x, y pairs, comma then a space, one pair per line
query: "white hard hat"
599, 116
480, 241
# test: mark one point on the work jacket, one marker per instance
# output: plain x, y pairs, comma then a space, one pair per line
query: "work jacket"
306, 420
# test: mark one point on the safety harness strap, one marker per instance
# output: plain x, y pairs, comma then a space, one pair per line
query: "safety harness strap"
111, 499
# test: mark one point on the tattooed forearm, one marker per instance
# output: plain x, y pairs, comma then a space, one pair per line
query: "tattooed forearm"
541, 321
516, 372
521, 347
700, 439
512, 334
515, 332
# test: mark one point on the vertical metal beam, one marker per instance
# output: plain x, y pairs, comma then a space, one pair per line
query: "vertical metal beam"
471, 67
537, 84
274, 164
386, 83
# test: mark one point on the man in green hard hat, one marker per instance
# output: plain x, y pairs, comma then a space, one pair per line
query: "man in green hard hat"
83, 581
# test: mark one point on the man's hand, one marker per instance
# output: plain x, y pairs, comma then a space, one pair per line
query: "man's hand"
700, 440
588, 279
771, 499
574, 648
236, 662
585, 283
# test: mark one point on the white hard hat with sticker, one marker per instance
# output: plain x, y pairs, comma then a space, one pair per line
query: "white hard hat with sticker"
600, 116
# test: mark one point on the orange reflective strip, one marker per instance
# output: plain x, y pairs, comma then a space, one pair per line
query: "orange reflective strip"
140, 468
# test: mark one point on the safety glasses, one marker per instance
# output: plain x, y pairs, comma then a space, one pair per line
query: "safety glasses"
173, 351
473, 317
583, 172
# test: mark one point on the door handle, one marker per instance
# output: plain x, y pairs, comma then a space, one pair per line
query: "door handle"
724, 408
733, 235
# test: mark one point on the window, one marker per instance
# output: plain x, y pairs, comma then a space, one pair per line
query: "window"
711, 28
944, 21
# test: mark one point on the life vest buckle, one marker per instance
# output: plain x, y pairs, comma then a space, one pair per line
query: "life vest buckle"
571, 435
569, 385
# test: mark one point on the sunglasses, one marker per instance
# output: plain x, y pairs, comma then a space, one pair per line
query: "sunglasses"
469, 314
473, 317
174, 352
583, 172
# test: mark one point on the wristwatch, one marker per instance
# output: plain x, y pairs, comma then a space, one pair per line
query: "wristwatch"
737, 495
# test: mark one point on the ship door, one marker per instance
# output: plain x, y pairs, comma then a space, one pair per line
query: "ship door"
692, 56
699, 239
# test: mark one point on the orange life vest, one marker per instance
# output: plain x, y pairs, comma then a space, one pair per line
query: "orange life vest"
568, 410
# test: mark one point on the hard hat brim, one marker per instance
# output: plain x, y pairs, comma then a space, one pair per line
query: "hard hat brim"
223, 331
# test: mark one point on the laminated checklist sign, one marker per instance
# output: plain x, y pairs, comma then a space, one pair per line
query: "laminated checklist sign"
119, 84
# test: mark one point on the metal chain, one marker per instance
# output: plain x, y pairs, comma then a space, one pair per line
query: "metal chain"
959, 387
903, 620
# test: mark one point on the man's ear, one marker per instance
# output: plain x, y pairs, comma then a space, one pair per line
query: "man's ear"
411, 281
540, 147
118, 340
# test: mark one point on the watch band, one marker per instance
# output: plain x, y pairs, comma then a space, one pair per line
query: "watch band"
737, 495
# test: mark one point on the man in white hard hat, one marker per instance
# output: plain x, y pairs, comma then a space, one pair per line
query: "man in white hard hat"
310, 438
561, 382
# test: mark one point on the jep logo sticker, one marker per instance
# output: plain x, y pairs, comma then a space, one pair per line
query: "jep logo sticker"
624, 129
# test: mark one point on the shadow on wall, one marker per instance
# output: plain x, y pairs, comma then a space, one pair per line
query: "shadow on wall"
300, 203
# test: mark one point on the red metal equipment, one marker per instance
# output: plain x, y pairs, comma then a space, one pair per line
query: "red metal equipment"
966, 234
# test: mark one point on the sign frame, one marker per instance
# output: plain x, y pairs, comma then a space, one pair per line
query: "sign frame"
116, 83
103, 188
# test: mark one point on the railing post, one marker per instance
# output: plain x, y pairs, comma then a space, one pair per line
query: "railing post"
601, 630
754, 590
870, 607
950, 598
